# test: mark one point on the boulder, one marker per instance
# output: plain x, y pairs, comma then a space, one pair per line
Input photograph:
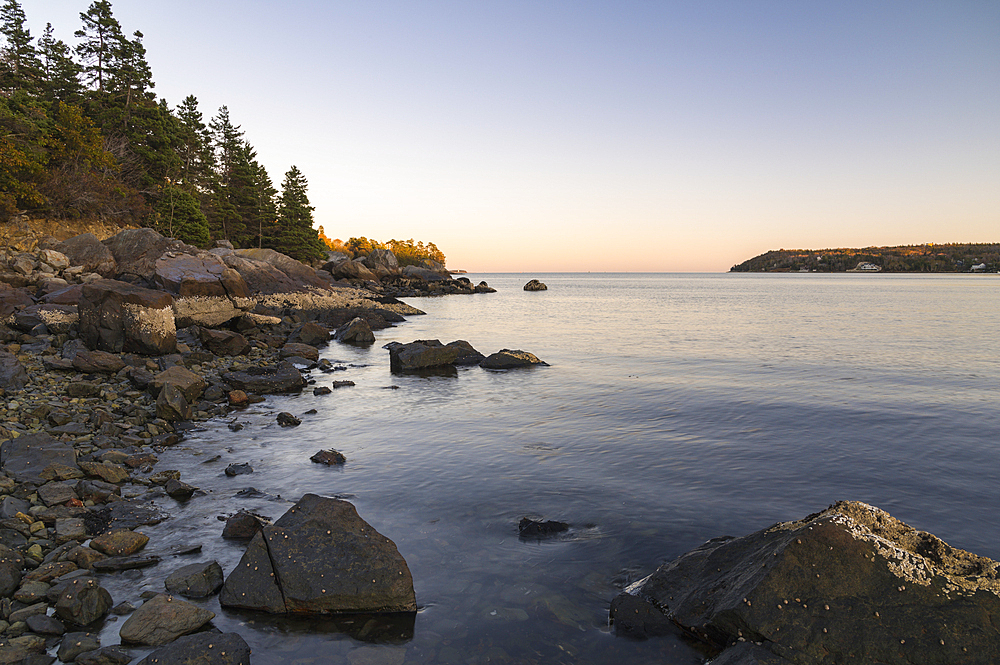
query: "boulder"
421, 354
294, 349
382, 262
171, 404
310, 333
243, 525
224, 342
58, 319
123, 542
270, 379
509, 359
74, 644
190, 275
467, 354
117, 317
13, 300
535, 285
136, 252
54, 258
261, 277
82, 601
203, 649
424, 274
13, 376
324, 559
26, 457
355, 331
11, 565
848, 584
300, 274
196, 580
190, 384
87, 251
97, 362
207, 311
350, 270
162, 619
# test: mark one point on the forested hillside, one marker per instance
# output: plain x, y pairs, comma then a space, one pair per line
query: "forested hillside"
975, 257
82, 135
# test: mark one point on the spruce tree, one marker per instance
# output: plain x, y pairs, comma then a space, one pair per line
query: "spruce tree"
293, 233
194, 148
178, 215
102, 37
60, 75
19, 65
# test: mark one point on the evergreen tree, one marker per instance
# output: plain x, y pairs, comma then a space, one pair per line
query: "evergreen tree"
19, 65
131, 79
60, 75
102, 37
194, 148
224, 219
178, 215
293, 233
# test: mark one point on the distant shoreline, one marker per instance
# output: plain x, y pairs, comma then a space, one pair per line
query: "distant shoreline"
929, 258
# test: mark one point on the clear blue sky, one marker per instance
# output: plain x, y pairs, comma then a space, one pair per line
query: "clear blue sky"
648, 136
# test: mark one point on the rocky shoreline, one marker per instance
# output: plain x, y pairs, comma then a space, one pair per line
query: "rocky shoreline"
112, 350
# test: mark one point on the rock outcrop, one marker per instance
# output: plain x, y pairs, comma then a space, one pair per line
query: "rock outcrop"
848, 584
535, 285
320, 557
116, 317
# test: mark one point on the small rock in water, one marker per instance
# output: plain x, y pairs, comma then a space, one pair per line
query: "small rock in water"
244, 525
238, 469
286, 419
329, 457
322, 391
529, 528
342, 384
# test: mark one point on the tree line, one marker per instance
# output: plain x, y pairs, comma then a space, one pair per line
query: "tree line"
952, 257
82, 135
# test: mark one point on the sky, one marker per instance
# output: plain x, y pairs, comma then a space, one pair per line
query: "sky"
635, 135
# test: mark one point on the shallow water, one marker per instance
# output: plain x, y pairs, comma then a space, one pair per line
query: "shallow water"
676, 408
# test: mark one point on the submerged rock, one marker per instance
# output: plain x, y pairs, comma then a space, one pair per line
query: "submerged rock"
850, 583
320, 557
529, 528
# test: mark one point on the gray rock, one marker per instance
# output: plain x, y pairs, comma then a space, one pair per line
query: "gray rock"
382, 262
310, 333
286, 419
42, 624
81, 601
355, 331
224, 342
162, 619
171, 405
74, 644
10, 506
178, 489
117, 317
202, 649
535, 285
291, 349
350, 270
87, 251
510, 359
270, 379
421, 354
190, 384
850, 583
425, 274
25, 457
97, 362
55, 493
196, 580
243, 525
190, 275
326, 559
110, 655
13, 376
11, 565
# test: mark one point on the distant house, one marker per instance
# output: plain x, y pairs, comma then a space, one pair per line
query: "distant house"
865, 266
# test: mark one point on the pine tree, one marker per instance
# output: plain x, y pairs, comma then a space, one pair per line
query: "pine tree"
194, 148
293, 233
178, 215
60, 75
19, 65
102, 35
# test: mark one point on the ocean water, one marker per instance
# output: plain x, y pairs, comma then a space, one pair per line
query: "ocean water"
675, 408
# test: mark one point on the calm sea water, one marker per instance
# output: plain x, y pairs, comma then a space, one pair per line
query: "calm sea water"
676, 408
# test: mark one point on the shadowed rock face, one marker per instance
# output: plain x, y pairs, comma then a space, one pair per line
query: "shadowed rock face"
320, 558
848, 584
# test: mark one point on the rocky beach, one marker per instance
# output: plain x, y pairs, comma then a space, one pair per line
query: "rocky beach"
114, 349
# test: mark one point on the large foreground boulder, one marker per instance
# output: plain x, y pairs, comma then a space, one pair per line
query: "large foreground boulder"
320, 557
848, 584
116, 317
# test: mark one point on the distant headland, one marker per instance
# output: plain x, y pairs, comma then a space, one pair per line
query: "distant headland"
953, 257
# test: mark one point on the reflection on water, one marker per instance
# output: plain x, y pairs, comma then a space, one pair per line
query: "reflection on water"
676, 408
